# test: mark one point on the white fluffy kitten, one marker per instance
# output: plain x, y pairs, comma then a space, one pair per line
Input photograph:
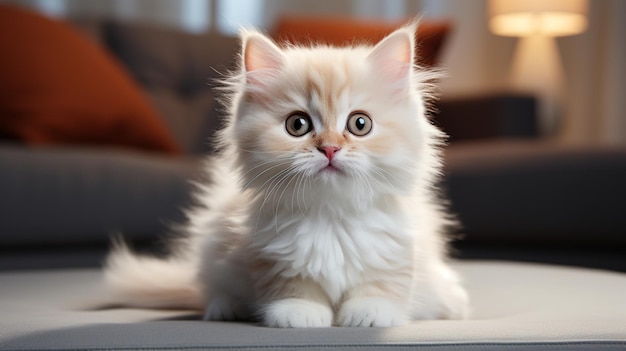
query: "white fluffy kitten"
322, 210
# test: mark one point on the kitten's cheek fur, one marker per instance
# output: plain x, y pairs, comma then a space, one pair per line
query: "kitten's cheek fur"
297, 313
372, 312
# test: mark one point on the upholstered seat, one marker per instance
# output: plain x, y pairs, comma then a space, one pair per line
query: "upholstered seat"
515, 307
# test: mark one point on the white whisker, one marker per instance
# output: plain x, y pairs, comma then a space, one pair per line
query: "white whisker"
272, 184
245, 186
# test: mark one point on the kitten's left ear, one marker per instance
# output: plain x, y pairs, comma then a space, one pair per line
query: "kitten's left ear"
262, 59
260, 52
393, 56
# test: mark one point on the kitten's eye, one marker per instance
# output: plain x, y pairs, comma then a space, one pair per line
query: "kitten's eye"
298, 124
359, 124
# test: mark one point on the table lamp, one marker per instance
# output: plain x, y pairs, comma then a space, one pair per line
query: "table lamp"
536, 64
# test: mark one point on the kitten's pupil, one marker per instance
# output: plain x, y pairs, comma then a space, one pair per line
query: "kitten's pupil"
360, 123
298, 123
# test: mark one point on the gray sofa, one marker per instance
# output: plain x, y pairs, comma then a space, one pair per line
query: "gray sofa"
524, 203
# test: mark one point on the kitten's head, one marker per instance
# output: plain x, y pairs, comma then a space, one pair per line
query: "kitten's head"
346, 119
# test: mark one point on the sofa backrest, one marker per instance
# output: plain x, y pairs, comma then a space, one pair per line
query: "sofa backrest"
177, 70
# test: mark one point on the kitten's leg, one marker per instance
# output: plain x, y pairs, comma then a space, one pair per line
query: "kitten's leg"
294, 303
228, 291
381, 303
440, 295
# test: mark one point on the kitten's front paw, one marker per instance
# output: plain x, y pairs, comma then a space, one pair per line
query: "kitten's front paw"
297, 313
372, 312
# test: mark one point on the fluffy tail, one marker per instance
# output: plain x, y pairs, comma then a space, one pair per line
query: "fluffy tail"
148, 282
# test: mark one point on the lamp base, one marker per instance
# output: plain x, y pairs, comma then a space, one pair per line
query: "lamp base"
537, 70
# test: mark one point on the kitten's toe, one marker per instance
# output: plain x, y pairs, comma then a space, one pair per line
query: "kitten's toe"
297, 313
223, 308
372, 312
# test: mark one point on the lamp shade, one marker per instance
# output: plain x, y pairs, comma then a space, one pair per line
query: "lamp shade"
525, 17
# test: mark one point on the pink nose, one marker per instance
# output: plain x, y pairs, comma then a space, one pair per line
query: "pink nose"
329, 151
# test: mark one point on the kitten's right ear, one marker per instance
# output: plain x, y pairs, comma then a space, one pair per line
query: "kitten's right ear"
262, 59
393, 57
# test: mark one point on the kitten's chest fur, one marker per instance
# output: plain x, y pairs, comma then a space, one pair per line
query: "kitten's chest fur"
334, 247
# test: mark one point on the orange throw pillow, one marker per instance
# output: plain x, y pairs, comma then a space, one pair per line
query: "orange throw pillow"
342, 31
58, 87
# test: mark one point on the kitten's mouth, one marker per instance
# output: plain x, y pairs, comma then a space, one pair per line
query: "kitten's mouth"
330, 168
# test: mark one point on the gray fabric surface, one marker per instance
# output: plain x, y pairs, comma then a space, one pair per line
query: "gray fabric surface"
537, 192
515, 307
83, 196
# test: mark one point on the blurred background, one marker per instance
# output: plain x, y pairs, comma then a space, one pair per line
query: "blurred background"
477, 61
107, 106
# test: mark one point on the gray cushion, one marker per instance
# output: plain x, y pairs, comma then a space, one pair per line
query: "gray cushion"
515, 307
192, 120
83, 196
178, 70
